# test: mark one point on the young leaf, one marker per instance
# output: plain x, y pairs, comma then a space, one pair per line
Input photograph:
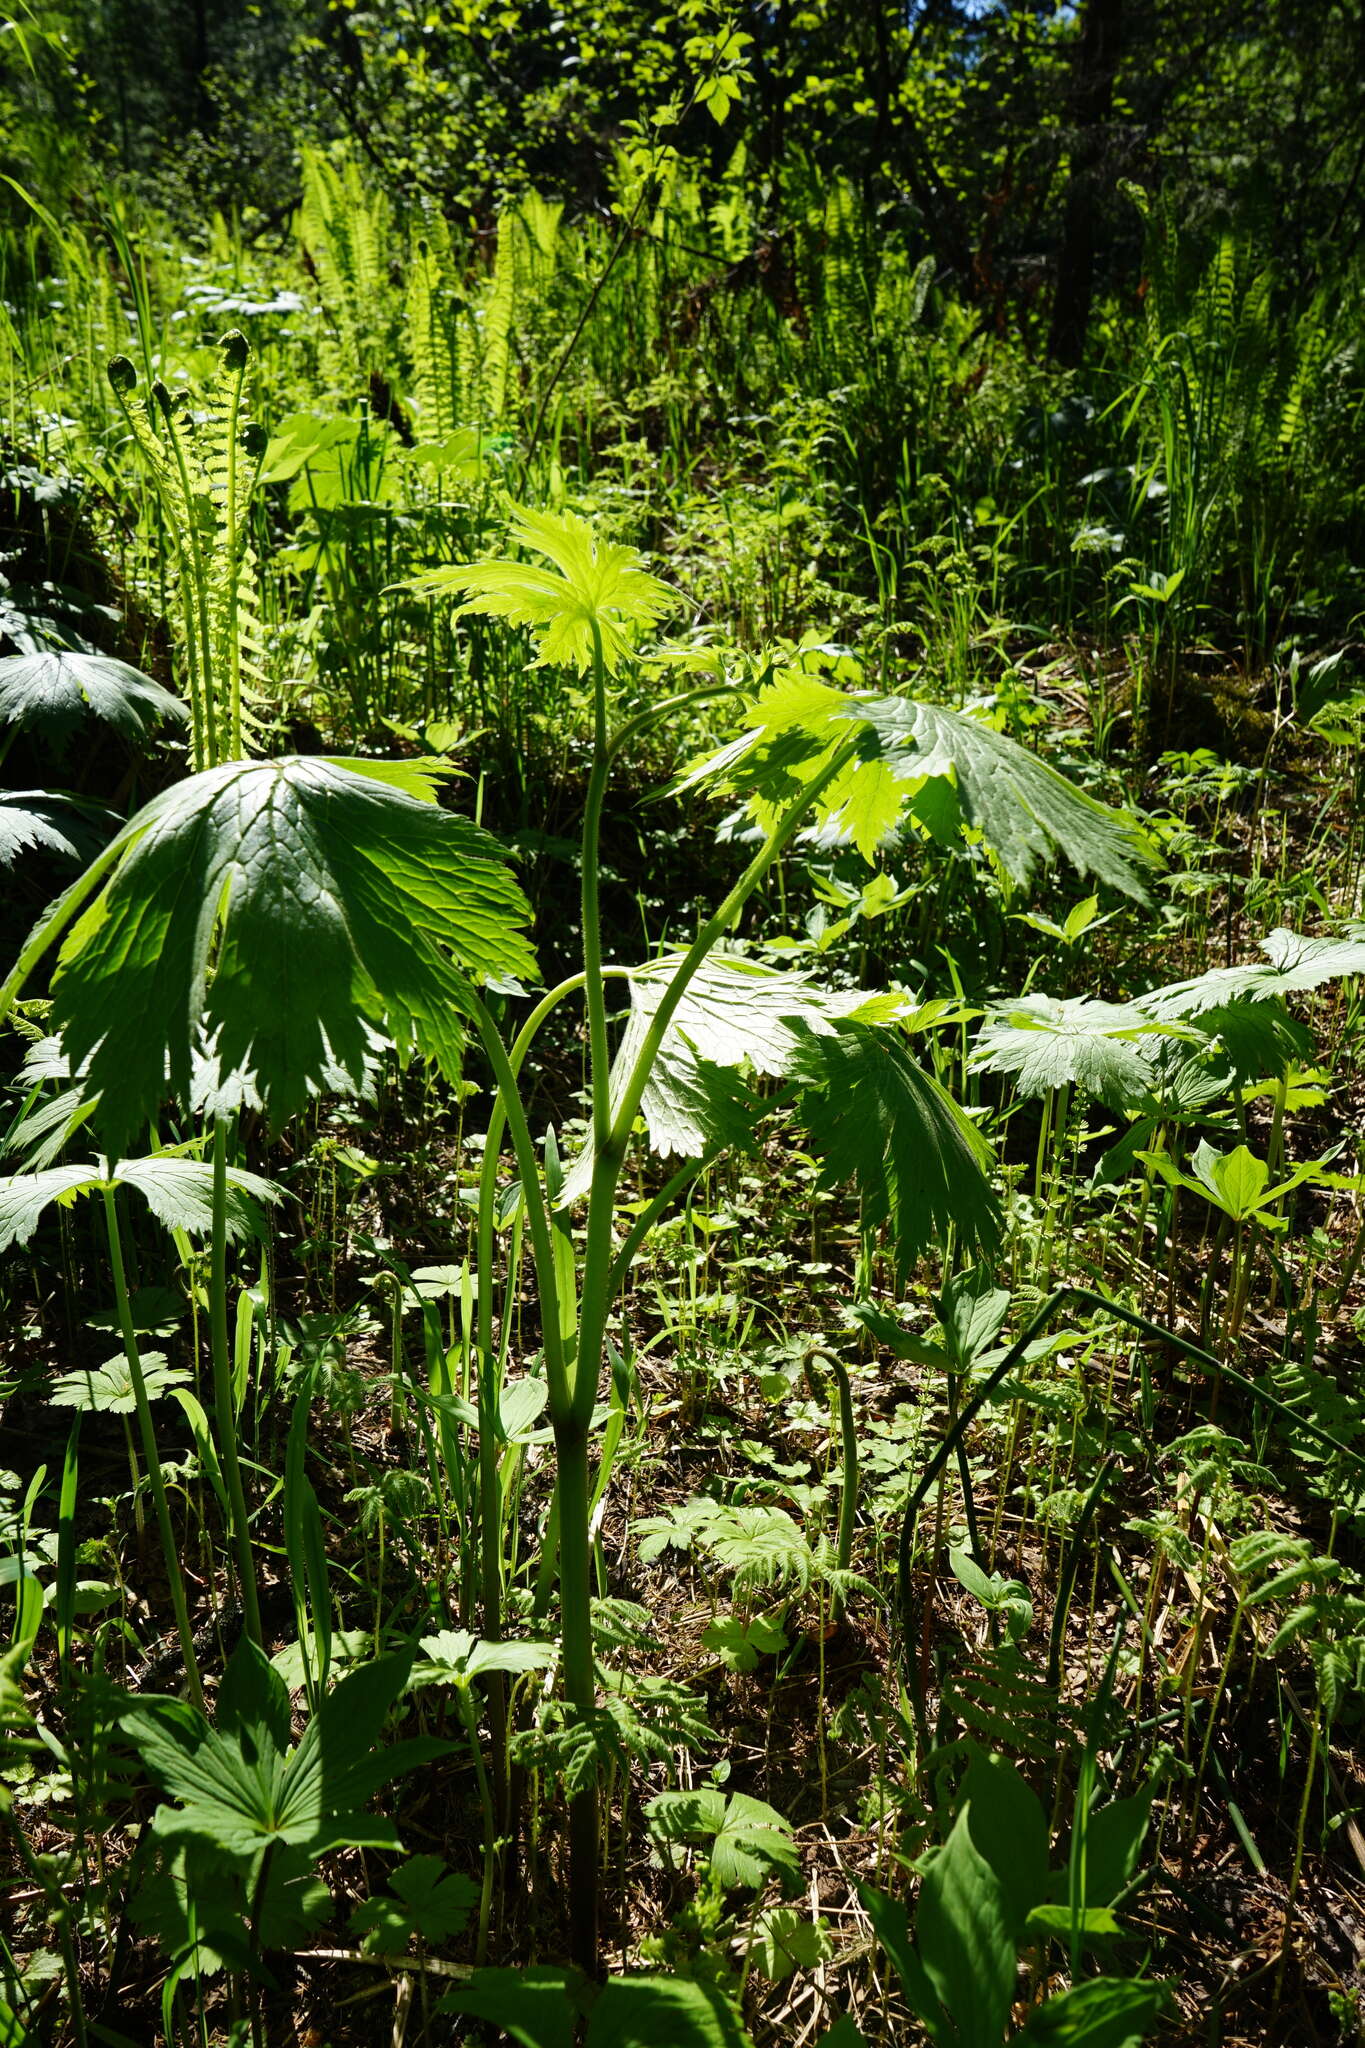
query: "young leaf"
239, 1787
749, 1842
877, 1119
964, 1931
454, 1657
594, 584
108, 1390
429, 1901
54, 691
280, 911
785, 1941
952, 770
1009, 1829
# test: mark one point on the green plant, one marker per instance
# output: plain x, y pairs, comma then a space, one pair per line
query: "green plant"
989, 1894
249, 1812
203, 470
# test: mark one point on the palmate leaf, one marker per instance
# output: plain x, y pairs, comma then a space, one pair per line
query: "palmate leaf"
748, 1841
1045, 1042
108, 1390
179, 1193
33, 820
594, 583
1293, 964
951, 770
239, 1786
1118, 1051
879, 1121
272, 915
294, 1905
53, 692
734, 1014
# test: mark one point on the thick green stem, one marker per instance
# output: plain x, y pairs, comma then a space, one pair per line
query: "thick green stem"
222, 1391
150, 1452
598, 1256
594, 991
580, 1679
532, 1195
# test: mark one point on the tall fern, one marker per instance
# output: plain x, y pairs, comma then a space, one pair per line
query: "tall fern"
203, 466
434, 307
345, 229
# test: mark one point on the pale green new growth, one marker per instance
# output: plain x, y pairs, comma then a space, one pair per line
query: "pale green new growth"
596, 588
110, 1390
951, 770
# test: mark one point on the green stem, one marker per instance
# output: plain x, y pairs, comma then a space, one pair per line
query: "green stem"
580, 1680
490, 1822
222, 1390
149, 1449
595, 992
59, 914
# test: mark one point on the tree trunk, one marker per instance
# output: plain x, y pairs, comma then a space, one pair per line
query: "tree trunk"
1090, 97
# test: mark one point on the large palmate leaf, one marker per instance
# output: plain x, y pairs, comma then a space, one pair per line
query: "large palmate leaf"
33, 820
52, 692
879, 1121
271, 915
594, 584
1107, 1049
1024, 810
953, 771
734, 1014
179, 1193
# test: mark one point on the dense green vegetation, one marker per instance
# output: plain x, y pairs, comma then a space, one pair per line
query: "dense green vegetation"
681, 1224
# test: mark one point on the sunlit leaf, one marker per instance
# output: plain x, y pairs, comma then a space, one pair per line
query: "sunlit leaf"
734, 1014
594, 584
272, 915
